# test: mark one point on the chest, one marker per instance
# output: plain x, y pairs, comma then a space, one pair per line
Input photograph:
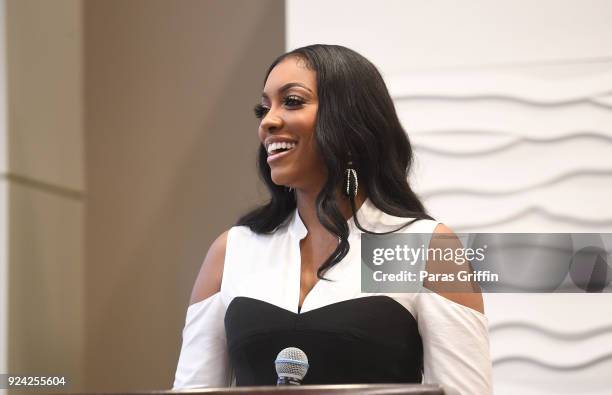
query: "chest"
362, 340
313, 253
282, 270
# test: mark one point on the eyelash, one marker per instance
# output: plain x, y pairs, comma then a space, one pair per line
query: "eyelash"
291, 101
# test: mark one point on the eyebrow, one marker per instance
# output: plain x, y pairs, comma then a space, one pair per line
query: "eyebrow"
288, 86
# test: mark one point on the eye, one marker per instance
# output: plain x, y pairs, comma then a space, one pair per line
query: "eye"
290, 101
293, 101
260, 111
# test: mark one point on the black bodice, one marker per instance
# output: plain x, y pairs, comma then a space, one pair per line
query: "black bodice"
371, 339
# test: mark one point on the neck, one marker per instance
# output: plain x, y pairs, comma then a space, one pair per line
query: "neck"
306, 205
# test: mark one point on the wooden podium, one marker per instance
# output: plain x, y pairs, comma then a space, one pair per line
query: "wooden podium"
352, 389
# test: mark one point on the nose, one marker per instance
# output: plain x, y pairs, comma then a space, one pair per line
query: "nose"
271, 122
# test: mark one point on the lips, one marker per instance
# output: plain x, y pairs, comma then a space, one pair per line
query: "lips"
279, 147
279, 155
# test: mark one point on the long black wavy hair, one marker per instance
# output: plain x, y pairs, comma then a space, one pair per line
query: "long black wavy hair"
356, 121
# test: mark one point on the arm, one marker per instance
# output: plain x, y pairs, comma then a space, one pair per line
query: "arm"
453, 327
204, 361
208, 281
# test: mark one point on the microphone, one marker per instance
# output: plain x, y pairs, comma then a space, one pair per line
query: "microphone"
291, 366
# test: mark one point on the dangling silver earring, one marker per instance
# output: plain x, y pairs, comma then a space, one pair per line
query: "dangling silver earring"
289, 189
352, 183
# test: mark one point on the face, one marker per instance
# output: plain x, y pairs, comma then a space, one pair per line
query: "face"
288, 113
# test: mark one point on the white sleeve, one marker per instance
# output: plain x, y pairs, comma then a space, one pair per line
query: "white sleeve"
456, 351
204, 360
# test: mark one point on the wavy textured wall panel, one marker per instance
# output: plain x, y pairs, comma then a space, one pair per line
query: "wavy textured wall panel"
522, 150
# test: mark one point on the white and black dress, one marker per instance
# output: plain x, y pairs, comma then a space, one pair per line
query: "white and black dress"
233, 336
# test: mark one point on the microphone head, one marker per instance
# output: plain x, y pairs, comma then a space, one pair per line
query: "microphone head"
291, 365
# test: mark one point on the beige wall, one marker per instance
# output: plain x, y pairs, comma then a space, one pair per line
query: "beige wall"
131, 146
4, 276
171, 142
45, 188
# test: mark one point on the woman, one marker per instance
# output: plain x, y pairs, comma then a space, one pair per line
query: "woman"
335, 159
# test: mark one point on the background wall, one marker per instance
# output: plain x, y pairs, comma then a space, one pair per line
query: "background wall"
45, 182
4, 278
171, 141
509, 107
131, 145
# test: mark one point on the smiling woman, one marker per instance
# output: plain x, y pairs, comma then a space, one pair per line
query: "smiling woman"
335, 160
288, 113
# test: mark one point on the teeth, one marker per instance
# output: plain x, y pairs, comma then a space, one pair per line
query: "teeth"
280, 145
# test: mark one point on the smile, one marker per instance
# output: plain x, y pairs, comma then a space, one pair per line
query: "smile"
279, 150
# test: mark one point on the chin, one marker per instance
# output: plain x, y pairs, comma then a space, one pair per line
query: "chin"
279, 179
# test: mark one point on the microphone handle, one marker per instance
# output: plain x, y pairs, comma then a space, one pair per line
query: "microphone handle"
288, 381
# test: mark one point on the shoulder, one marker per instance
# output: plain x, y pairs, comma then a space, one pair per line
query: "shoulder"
231, 245
208, 281
443, 266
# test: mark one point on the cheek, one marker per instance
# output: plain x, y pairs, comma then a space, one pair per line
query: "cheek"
310, 138
306, 130
313, 158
